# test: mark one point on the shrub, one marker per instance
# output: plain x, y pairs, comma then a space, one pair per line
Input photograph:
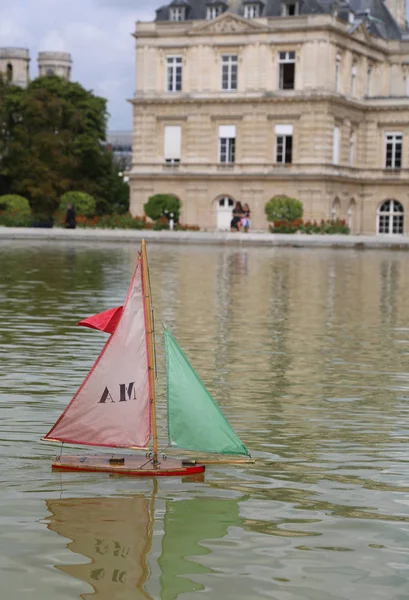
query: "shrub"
14, 203
83, 203
126, 221
15, 218
311, 227
162, 204
283, 226
161, 224
282, 208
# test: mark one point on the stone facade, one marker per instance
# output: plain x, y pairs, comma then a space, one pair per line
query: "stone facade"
15, 65
336, 137
55, 63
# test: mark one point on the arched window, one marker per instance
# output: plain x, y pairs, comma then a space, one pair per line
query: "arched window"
336, 209
226, 203
390, 217
50, 72
351, 215
9, 72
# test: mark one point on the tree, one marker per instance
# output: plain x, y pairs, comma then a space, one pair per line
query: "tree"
51, 143
113, 195
282, 208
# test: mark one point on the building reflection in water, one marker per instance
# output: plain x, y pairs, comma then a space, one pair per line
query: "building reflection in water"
116, 535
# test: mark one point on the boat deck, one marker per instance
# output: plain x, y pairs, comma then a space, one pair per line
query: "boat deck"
128, 465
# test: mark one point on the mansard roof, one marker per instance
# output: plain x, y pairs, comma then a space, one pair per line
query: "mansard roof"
373, 14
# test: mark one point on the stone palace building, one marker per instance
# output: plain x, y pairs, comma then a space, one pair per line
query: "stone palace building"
248, 99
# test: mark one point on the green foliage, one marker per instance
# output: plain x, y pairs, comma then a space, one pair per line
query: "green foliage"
14, 203
311, 227
83, 203
50, 143
282, 208
112, 221
161, 204
15, 218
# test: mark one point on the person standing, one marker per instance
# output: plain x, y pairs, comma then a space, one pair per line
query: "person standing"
245, 220
237, 214
70, 217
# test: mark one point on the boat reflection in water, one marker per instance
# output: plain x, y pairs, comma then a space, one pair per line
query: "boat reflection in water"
116, 535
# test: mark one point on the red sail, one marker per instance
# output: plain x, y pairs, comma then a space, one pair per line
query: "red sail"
106, 321
112, 407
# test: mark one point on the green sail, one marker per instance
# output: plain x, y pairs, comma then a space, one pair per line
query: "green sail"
195, 422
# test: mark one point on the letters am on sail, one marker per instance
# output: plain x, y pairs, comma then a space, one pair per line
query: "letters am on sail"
112, 407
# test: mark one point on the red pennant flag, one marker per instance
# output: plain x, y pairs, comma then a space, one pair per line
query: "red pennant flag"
106, 321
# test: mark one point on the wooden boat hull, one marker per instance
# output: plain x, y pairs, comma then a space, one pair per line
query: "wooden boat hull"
132, 466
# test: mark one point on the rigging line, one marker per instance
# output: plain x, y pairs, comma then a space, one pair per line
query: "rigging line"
152, 459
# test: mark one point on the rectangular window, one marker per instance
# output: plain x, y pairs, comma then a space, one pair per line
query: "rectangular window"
213, 12
353, 80
338, 74
227, 144
393, 150
351, 149
290, 9
177, 13
284, 144
229, 73
173, 144
174, 73
251, 11
335, 146
369, 81
287, 70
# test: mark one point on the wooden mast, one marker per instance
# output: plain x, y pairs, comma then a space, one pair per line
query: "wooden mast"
151, 359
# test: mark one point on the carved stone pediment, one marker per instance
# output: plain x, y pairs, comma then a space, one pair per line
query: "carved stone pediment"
360, 32
227, 23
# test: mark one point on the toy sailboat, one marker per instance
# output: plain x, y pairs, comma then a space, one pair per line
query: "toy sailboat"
115, 407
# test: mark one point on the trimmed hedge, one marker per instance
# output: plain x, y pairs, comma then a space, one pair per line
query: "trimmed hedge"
84, 204
12, 203
282, 208
161, 205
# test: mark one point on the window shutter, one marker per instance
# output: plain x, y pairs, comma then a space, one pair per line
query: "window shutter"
173, 142
227, 131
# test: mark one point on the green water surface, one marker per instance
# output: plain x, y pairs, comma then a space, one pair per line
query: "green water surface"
307, 353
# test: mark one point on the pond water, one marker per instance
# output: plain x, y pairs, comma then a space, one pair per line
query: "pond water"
306, 351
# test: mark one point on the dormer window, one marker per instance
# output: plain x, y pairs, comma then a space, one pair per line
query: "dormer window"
252, 10
214, 10
290, 8
177, 13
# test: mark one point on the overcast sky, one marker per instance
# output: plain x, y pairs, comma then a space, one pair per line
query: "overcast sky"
96, 32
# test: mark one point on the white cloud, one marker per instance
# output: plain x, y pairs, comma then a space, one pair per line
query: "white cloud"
52, 41
96, 32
